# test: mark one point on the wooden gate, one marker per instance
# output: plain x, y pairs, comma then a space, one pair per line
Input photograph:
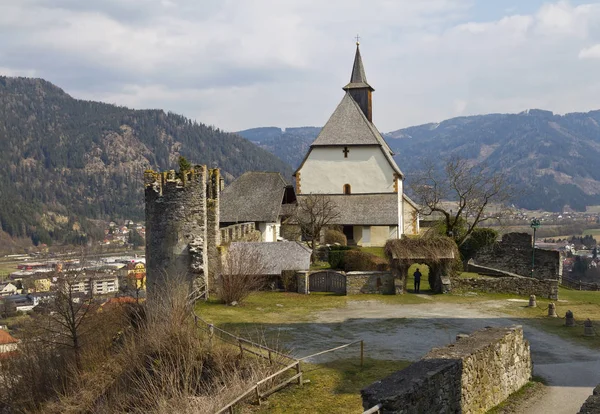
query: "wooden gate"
327, 281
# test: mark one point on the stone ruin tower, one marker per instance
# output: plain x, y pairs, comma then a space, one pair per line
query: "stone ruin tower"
182, 229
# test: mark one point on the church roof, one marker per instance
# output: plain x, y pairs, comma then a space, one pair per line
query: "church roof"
348, 125
358, 79
365, 209
254, 196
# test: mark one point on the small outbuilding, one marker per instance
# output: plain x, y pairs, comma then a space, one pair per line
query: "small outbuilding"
262, 198
438, 253
274, 258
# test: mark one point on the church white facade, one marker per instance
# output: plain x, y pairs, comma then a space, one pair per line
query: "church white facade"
351, 162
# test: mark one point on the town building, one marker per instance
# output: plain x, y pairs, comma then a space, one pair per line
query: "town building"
353, 165
7, 343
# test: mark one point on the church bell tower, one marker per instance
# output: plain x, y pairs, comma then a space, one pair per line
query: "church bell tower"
359, 88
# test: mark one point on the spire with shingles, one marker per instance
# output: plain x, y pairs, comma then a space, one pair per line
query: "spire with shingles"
358, 87
358, 79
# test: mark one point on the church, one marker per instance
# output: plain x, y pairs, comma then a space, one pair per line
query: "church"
351, 162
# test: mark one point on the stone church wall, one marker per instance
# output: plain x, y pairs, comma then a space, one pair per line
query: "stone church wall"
514, 253
472, 375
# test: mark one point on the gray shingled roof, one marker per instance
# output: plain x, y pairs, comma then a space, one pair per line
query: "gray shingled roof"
254, 196
358, 79
365, 209
348, 126
277, 256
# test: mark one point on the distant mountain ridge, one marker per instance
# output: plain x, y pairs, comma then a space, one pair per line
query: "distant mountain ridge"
551, 158
289, 144
66, 161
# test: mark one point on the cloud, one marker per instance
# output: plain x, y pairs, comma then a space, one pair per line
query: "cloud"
239, 64
592, 52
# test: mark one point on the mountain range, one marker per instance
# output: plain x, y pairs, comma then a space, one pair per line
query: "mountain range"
550, 158
67, 162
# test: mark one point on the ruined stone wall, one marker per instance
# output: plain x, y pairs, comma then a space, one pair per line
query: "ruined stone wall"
592, 404
240, 232
523, 286
178, 227
472, 375
514, 253
213, 233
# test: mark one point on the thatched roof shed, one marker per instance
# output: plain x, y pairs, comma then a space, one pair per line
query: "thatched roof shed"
439, 253
422, 249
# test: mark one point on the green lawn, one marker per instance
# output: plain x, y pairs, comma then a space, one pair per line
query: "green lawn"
334, 387
583, 304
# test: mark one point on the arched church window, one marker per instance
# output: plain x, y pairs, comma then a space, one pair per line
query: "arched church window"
347, 189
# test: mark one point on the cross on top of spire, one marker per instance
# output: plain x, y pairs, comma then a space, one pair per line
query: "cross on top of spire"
357, 40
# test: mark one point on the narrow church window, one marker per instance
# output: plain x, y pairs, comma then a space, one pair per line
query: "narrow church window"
346, 151
347, 189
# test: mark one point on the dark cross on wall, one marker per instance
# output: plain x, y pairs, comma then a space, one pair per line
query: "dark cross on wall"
345, 151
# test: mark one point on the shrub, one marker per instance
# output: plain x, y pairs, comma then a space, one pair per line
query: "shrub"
334, 236
355, 260
242, 273
289, 280
336, 256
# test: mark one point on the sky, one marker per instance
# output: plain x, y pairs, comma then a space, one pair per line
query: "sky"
239, 64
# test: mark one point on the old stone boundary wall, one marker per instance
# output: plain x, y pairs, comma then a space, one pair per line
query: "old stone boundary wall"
472, 375
523, 286
356, 282
592, 404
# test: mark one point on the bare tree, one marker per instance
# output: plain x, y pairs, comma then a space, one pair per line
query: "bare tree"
313, 214
462, 193
65, 315
242, 272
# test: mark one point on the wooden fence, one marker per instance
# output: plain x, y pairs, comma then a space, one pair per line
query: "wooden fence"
268, 381
578, 284
274, 382
243, 344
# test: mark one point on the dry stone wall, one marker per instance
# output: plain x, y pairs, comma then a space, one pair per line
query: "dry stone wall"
523, 286
370, 282
472, 375
514, 254
592, 404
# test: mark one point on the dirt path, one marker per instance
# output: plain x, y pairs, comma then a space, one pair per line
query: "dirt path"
409, 331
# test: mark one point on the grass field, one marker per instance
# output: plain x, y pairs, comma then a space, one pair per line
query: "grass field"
334, 387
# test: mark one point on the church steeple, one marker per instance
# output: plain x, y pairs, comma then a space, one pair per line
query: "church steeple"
359, 88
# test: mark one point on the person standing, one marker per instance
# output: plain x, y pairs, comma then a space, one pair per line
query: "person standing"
417, 276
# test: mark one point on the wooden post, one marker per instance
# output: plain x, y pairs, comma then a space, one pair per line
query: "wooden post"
257, 395
241, 349
270, 360
299, 371
211, 332
362, 353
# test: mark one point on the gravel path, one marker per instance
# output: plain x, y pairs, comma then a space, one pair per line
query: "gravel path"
409, 331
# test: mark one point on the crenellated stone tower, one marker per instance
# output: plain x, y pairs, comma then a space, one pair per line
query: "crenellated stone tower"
182, 228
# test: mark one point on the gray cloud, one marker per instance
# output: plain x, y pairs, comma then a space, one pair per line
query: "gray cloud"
238, 64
